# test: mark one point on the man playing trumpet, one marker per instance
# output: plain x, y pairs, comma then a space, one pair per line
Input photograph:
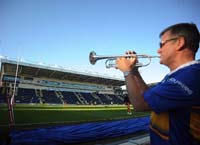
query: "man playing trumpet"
175, 101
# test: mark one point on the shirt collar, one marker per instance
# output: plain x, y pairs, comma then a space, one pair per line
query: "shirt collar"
185, 65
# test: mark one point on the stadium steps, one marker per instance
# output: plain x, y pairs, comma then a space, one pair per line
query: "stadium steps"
60, 96
96, 97
108, 97
39, 94
80, 98
120, 98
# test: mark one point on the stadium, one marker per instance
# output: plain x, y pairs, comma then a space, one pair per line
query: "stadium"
83, 107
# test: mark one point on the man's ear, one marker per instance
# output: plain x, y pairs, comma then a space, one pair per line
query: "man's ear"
181, 43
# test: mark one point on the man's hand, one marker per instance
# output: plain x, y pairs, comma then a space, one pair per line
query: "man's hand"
126, 63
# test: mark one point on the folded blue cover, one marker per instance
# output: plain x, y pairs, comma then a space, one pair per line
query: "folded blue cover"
80, 133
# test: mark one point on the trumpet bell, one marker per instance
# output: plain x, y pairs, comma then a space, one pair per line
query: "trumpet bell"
92, 57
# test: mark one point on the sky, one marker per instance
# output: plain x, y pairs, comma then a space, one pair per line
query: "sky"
62, 33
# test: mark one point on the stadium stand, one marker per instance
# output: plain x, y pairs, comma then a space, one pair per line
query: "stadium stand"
51, 97
70, 98
44, 84
2, 97
26, 96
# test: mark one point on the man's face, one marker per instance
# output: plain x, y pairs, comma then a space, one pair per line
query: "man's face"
167, 51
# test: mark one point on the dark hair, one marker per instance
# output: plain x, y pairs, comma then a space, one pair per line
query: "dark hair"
187, 30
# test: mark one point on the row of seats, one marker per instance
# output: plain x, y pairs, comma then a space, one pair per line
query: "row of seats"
24, 95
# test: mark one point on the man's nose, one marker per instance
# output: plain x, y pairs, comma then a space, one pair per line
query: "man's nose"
159, 51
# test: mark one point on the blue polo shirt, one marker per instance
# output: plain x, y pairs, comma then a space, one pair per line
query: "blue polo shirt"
175, 104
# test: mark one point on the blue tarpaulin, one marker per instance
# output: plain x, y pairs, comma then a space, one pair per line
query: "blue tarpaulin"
86, 132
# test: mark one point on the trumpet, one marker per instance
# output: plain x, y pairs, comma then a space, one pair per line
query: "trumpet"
110, 62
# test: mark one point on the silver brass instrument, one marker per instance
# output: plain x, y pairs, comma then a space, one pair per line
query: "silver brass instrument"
110, 62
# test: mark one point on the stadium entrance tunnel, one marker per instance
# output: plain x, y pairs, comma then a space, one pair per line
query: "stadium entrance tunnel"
77, 134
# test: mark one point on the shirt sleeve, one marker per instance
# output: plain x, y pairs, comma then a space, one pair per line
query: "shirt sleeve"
168, 95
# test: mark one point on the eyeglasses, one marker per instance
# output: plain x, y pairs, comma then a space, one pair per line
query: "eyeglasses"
162, 43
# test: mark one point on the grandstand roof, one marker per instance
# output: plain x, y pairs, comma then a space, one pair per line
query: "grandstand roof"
44, 71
